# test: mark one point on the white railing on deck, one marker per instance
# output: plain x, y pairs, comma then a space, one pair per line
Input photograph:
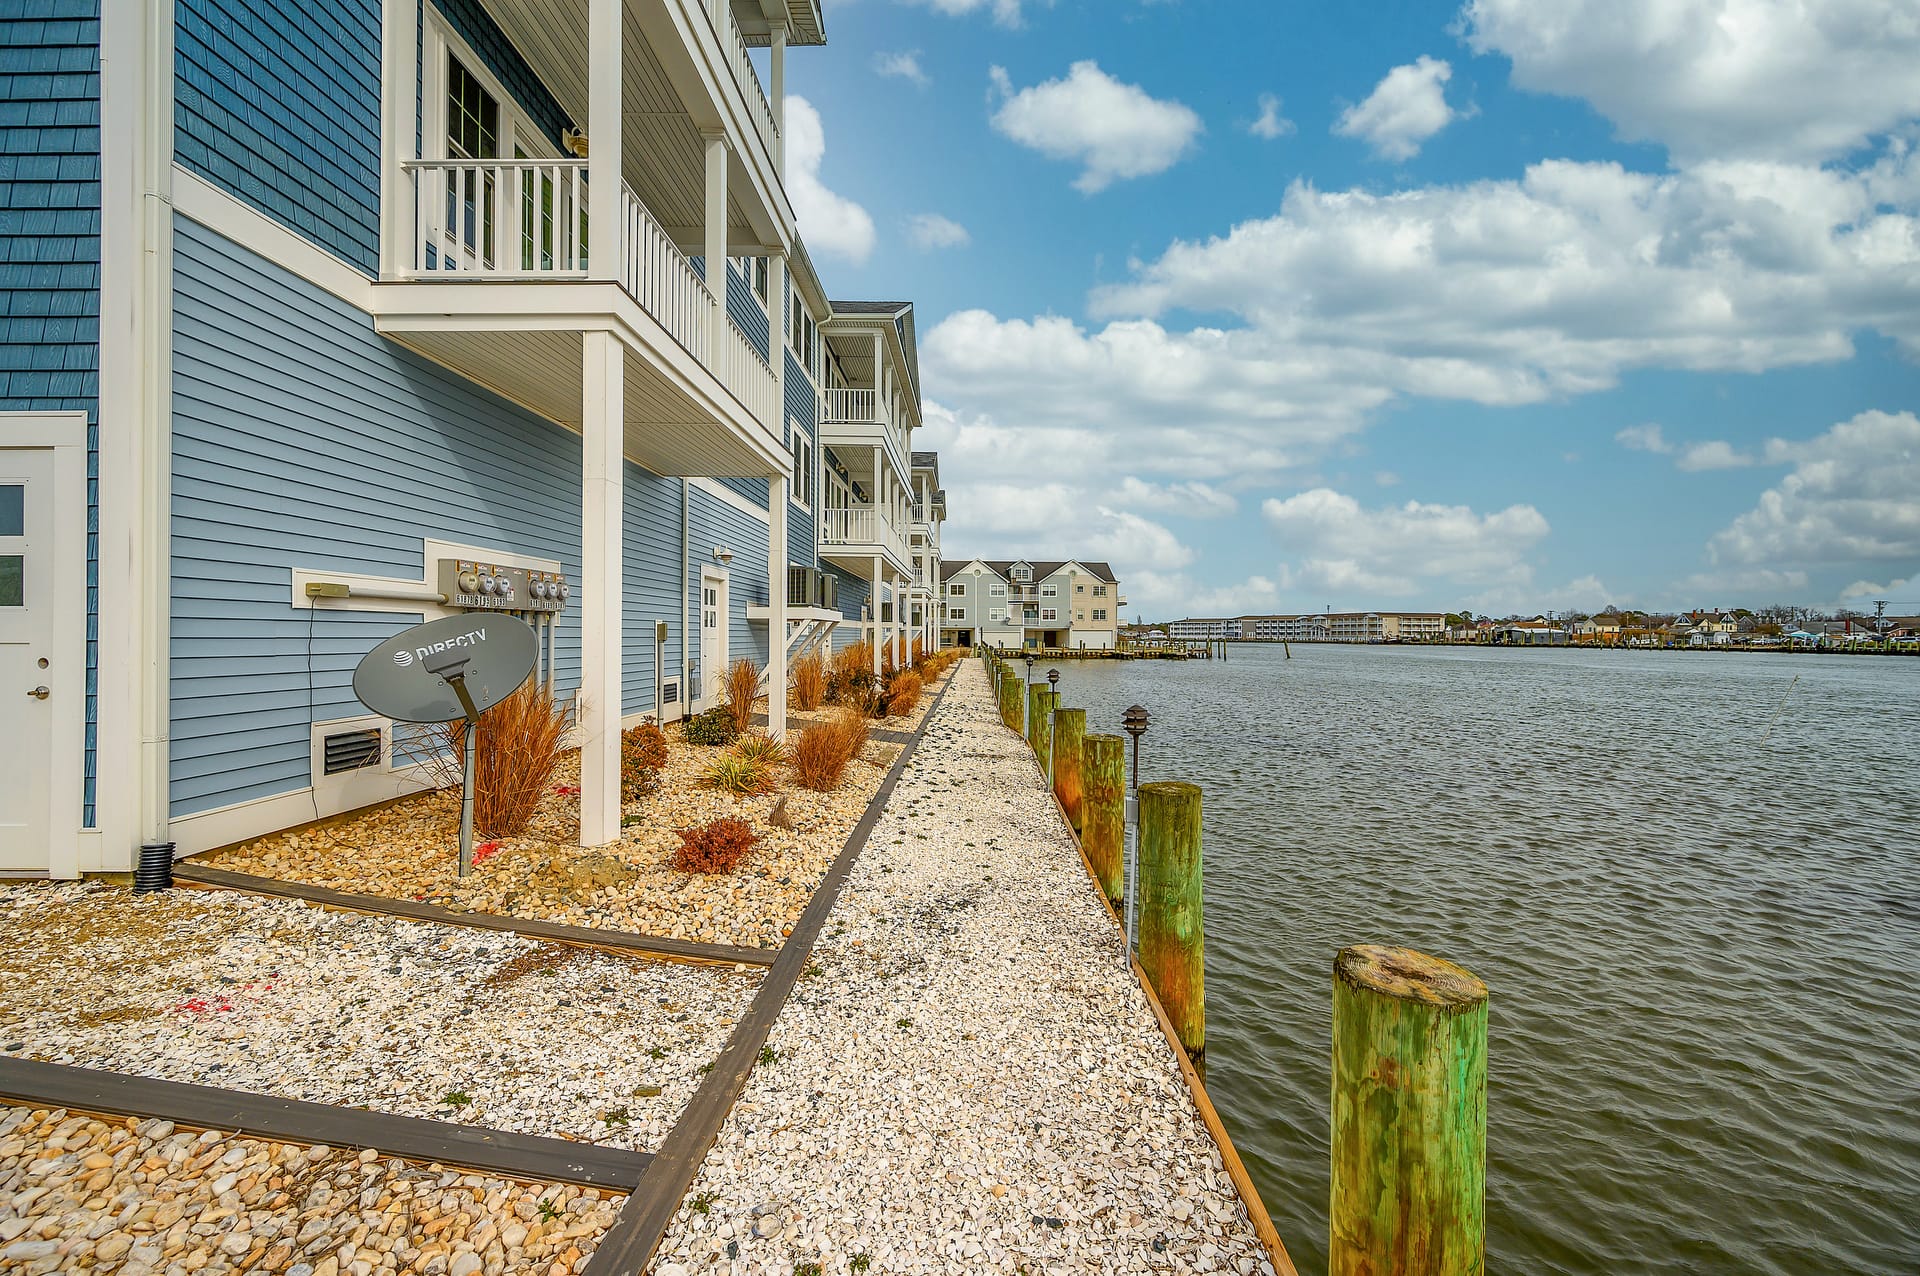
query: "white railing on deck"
851, 405
664, 282
504, 218
734, 46
861, 525
743, 371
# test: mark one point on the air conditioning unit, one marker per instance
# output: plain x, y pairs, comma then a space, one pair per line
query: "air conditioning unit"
803, 586
829, 595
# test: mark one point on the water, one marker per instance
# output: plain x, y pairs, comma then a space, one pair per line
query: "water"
1703, 948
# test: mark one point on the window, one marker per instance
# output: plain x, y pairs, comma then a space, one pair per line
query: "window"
1079, 615
802, 493
998, 615
473, 132
1049, 591
1079, 589
1099, 591
1048, 613
1023, 573
956, 590
956, 613
1099, 613
760, 274
997, 589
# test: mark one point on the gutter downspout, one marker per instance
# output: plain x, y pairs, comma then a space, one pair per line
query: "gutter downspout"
686, 566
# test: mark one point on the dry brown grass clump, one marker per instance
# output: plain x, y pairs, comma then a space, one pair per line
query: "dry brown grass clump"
715, 847
821, 752
809, 681
903, 693
853, 682
517, 747
743, 684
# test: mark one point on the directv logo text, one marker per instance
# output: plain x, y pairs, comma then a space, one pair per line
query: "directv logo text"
403, 657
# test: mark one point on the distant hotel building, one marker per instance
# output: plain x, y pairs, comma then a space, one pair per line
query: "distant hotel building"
1342, 626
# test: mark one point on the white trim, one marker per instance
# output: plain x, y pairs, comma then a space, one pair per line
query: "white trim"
228, 217
64, 435
351, 790
728, 497
399, 51
431, 552
259, 817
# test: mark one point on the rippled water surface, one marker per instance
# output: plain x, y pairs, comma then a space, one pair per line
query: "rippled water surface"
1702, 939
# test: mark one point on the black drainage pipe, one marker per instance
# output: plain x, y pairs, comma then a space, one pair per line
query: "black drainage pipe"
156, 868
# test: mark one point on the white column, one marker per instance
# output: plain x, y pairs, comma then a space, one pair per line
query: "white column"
780, 99
716, 240
878, 629
603, 422
604, 146
777, 607
399, 41
777, 309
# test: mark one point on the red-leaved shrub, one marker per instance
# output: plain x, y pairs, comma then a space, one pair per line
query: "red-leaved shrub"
715, 847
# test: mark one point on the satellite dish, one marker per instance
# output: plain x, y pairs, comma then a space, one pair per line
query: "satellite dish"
406, 678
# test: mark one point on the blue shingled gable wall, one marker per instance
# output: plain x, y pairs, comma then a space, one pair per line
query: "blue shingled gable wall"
50, 244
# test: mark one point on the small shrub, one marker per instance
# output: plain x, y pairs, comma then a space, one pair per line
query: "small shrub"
715, 847
903, 693
715, 726
643, 755
742, 777
821, 752
702, 1203
743, 684
516, 748
809, 681
758, 746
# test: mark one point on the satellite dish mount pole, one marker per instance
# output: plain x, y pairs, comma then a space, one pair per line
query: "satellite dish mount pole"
451, 665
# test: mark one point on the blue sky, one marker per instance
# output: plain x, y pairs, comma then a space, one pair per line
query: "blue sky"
1511, 306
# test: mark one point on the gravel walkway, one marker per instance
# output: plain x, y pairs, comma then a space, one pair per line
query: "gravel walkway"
970, 1080
276, 997
141, 1198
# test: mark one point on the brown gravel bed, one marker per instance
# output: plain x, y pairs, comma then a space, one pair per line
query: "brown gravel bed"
406, 850
141, 1197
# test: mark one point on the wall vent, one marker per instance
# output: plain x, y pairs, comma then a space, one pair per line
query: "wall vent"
670, 692
351, 751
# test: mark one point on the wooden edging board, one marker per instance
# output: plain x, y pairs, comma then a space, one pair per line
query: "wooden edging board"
1263, 1227
528, 1157
201, 875
629, 1245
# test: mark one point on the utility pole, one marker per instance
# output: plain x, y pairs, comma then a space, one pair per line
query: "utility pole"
1879, 615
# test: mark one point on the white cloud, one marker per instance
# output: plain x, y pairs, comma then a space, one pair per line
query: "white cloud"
1270, 124
1334, 544
1902, 596
1193, 499
1850, 498
1715, 454
904, 65
1386, 478
1406, 108
1006, 13
1513, 292
832, 223
1115, 130
1644, 438
1778, 79
931, 230
1586, 594
1170, 595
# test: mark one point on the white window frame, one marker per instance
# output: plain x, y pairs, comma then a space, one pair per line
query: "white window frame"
1049, 591
805, 466
517, 129
1099, 591
956, 613
1099, 614
956, 589
1049, 614
1023, 575
997, 590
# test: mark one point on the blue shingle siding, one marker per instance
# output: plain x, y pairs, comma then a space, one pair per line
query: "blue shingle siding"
744, 308
711, 522
278, 102
50, 249
474, 25
650, 560
801, 406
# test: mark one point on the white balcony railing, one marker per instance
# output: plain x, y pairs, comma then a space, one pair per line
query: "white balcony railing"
853, 405
527, 219
501, 218
861, 525
734, 45
664, 282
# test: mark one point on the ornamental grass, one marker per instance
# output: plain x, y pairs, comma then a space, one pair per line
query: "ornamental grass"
822, 751
809, 681
517, 747
743, 684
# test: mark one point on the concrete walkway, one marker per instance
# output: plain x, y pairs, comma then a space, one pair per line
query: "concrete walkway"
968, 1079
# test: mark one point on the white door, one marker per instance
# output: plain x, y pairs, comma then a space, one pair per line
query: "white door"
713, 638
36, 674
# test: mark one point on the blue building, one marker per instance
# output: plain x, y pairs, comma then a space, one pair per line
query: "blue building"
309, 305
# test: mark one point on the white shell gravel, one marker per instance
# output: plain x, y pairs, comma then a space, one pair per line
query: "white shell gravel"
969, 1079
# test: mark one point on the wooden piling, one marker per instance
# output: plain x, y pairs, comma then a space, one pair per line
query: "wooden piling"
1172, 932
1103, 809
1039, 724
1011, 707
1069, 736
1409, 1115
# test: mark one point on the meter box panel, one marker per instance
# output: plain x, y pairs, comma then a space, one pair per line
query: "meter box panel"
477, 585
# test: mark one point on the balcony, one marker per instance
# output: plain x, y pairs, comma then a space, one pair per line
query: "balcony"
519, 224
858, 535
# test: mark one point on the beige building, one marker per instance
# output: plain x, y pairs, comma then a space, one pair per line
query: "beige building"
1073, 605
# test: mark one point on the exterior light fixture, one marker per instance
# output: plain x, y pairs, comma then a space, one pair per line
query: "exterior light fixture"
1134, 723
722, 555
1053, 677
1029, 670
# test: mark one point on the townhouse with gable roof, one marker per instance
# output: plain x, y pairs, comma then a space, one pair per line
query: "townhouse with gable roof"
1066, 605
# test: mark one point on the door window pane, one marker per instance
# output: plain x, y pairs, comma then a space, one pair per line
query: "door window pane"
13, 585
13, 509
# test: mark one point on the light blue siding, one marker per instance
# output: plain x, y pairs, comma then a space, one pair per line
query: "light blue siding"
278, 102
801, 408
650, 562
50, 250
714, 522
